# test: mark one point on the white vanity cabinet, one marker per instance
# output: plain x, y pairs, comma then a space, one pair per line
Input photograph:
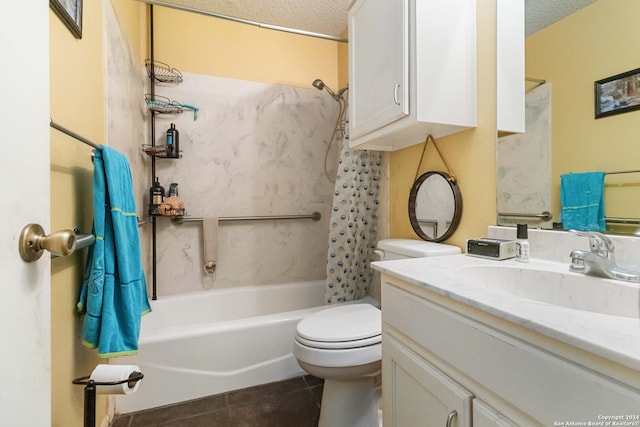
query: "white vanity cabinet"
485, 416
441, 355
412, 71
420, 395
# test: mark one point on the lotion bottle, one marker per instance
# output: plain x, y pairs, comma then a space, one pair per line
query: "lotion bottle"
522, 243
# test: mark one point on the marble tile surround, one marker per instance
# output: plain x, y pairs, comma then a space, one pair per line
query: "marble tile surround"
255, 149
520, 157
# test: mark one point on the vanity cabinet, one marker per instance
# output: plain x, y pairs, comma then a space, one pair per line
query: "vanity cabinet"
412, 71
420, 394
440, 355
485, 416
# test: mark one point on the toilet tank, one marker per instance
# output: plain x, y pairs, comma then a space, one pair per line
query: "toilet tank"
389, 249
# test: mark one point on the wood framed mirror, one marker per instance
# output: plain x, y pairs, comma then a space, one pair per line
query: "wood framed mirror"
435, 206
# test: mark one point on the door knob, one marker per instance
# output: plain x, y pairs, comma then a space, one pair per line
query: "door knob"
33, 242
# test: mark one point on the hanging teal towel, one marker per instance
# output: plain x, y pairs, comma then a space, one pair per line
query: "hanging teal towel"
582, 199
114, 291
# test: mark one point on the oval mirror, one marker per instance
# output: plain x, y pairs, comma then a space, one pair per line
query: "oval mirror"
435, 206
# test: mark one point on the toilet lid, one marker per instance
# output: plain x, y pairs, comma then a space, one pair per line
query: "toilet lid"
351, 322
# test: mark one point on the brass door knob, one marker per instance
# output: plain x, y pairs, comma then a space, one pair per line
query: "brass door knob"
33, 242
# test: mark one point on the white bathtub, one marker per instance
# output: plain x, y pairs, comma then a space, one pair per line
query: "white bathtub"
209, 342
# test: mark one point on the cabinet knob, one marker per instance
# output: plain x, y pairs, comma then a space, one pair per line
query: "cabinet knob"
451, 416
395, 94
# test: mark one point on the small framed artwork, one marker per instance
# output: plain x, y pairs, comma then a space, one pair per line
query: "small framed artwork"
618, 94
70, 12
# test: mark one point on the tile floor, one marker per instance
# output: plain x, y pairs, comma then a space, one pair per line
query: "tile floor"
290, 403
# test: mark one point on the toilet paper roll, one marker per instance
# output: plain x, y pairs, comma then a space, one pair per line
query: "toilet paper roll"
113, 373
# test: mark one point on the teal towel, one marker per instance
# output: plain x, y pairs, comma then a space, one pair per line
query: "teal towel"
582, 199
114, 291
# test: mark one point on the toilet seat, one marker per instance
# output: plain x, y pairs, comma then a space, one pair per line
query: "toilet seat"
346, 326
339, 345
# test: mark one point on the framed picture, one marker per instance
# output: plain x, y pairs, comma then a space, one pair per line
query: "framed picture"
70, 12
618, 94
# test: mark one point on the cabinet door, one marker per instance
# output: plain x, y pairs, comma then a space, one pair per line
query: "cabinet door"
485, 416
378, 64
415, 393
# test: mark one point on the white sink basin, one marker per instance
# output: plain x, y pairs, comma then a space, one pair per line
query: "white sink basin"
566, 289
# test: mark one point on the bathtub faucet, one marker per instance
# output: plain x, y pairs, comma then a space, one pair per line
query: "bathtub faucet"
600, 260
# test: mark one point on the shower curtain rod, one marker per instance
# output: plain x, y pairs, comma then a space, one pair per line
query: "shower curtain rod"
72, 134
246, 21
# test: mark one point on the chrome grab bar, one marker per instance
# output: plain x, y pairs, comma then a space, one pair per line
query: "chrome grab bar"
314, 216
544, 216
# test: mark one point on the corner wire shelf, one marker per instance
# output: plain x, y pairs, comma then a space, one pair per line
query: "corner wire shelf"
158, 151
162, 72
162, 105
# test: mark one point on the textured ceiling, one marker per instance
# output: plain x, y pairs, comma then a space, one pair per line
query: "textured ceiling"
541, 13
330, 16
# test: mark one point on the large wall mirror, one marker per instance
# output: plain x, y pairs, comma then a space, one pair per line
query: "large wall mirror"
435, 206
596, 41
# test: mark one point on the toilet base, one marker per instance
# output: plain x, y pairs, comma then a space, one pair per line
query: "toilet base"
349, 403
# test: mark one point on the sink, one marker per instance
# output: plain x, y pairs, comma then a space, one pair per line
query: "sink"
566, 289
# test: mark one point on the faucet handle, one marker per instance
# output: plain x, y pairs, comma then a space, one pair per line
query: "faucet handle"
598, 242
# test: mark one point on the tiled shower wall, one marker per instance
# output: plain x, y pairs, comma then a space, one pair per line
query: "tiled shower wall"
255, 149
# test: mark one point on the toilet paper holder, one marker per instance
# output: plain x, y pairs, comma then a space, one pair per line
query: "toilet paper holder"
90, 393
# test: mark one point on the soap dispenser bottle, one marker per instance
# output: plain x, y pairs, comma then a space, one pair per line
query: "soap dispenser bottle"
522, 243
173, 142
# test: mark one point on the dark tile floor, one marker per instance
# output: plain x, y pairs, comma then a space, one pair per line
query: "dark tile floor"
290, 403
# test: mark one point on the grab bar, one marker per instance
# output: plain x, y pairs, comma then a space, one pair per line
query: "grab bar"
544, 216
632, 221
314, 216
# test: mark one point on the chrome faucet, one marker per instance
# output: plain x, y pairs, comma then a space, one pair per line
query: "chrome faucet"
600, 260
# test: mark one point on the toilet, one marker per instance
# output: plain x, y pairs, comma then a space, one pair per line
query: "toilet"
342, 345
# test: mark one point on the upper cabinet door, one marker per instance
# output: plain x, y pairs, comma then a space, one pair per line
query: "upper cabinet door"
378, 66
412, 71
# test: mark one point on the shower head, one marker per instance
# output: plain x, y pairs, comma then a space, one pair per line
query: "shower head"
319, 84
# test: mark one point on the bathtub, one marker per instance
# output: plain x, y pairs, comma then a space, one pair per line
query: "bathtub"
209, 342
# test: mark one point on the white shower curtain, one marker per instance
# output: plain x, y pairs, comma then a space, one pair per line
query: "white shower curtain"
353, 224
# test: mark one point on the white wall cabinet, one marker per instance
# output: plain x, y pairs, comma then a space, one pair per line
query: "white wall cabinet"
412, 71
439, 355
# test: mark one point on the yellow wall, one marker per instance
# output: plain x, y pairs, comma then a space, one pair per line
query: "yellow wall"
595, 43
469, 154
188, 42
204, 45
77, 102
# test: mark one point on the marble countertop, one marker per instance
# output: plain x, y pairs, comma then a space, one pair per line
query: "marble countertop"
612, 337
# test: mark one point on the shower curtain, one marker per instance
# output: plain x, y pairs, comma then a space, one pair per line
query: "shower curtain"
353, 224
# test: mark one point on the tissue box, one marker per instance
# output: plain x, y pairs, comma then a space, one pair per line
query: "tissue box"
486, 247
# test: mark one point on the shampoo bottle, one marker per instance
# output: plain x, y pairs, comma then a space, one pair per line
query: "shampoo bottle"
173, 142
522, 243
156, 197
